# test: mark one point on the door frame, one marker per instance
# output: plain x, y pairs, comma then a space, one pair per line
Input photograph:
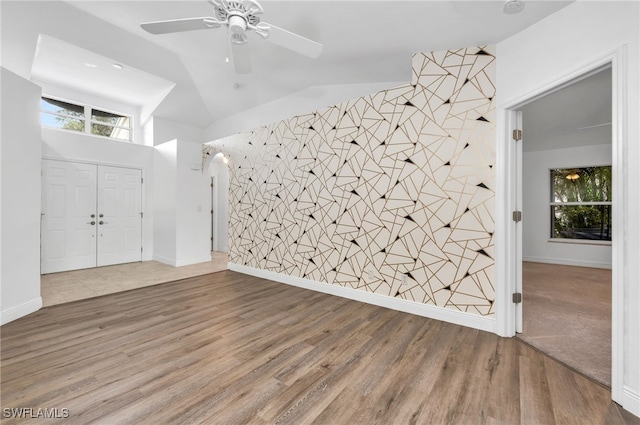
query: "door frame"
508, 176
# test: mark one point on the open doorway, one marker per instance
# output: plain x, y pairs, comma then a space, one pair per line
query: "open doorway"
219, 170
566, 226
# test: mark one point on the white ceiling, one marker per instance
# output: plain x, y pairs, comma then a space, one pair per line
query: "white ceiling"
64, 64
576, 115
364, 42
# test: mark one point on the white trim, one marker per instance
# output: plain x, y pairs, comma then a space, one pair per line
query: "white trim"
174, 262
564, 262
190, 261
439, 313
506, 202
579, 242
21, 310
165, 260
505, 234
631, 400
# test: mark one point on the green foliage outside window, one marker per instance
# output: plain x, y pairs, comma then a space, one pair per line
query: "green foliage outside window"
581, 203
59, 114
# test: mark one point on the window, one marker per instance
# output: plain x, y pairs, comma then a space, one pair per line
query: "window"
581, 203
58, 114
69, 116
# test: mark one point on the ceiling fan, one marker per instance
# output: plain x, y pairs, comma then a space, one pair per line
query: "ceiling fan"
240, 17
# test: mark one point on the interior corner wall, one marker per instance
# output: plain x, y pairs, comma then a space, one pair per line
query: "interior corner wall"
181, 216
165, 130
165, 175
20, 155
553, 49
193, 225
536, 222
388, 194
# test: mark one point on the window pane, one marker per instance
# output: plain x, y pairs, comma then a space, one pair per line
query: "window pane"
588, 184
60, 107
581, 222
57, 121
110, 118
109, 131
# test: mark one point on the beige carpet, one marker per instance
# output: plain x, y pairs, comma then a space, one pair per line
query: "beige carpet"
567, 314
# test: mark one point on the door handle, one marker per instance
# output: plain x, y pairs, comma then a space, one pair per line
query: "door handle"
93, 215
102, 222
101, 215
93, 223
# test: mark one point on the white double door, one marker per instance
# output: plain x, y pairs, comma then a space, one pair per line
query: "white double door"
91, 215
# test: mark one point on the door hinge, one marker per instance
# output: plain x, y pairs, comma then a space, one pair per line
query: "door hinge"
141, 179
141, 249
517, 135
141, 215
517, 216
517, 297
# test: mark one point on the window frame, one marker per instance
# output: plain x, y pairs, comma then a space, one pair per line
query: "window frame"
553, 204
88, 119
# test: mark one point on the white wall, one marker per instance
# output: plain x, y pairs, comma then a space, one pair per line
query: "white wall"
536, 222
555, 49
298, 103
165, 160
78, 147
181, 211
192, 206
165, 130
20, 211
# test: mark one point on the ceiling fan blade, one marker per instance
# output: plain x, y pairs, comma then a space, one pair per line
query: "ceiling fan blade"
241, 58
594, 126
179, 25
292, 41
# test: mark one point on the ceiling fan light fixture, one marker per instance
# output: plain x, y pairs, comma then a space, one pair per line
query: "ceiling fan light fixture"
238, 38
573, 176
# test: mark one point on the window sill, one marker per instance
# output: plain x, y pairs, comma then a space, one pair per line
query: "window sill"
82, 133
580, 242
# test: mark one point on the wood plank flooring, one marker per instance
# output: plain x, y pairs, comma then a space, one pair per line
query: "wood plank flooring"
227, 348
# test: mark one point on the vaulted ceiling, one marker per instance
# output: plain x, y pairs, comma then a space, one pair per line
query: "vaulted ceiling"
364, 42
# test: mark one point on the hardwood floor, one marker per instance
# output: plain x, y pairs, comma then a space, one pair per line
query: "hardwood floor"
227, 348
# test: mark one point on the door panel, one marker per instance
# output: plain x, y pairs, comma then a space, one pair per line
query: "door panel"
68, 201
119, 211
74, 192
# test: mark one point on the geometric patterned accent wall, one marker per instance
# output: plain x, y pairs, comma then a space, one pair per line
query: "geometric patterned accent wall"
391, 193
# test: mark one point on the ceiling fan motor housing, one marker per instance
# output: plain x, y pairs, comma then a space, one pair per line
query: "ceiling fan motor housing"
239, 16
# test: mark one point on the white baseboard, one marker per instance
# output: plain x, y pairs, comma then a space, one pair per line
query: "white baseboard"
631, 401
174, 262
444, 314
564, 262
164, 260
188, 262
21, 310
